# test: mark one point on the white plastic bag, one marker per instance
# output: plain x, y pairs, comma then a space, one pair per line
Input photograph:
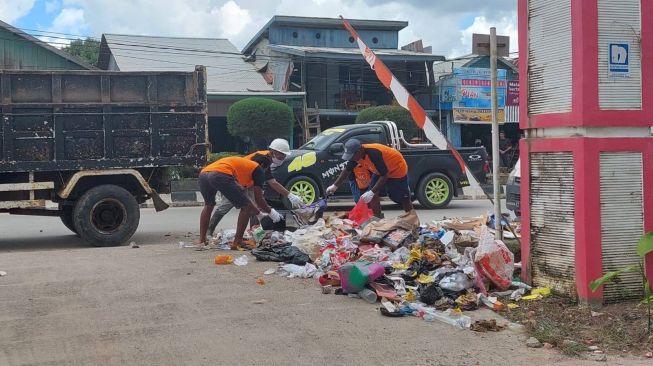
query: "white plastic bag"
305, 271
494, 260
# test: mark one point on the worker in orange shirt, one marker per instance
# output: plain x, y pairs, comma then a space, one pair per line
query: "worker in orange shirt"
389, 174
277, 152
231, 176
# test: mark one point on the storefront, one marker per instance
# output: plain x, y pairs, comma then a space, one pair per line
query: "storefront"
465, 102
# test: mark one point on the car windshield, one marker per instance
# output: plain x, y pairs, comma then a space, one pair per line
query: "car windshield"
323, 140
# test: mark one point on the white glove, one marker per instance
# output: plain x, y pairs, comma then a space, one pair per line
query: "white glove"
331, 190
367, 196
295, 200
275, 216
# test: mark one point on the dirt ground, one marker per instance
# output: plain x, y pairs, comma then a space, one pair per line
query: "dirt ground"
616, 329
161, 305
64, 303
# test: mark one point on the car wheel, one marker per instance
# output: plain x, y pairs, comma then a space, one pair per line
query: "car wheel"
435, 190
106, 215
305, 188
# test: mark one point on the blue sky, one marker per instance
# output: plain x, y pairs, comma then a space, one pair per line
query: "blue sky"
445, 25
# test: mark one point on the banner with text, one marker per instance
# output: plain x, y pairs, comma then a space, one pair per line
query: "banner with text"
474, 103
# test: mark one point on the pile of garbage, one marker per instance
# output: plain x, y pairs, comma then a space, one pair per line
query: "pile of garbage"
436, 271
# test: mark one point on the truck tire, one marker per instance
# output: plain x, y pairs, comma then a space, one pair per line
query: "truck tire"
305, 188
106, 215
435, 190
66, 215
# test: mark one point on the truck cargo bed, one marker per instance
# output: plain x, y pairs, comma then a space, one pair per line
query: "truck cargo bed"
77, 120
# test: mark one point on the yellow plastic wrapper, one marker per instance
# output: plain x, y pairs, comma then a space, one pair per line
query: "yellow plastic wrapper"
537, 293
425, 279
415, 255
544, 291
512, 306
397, 265
410, 295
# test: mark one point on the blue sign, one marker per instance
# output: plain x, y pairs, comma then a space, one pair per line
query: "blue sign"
618, 60
473, 100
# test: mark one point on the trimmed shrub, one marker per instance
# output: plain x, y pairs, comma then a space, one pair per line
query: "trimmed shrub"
396, 114
259, 120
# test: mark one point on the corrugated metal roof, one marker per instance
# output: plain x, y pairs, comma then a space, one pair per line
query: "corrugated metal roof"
226, 68
386, 54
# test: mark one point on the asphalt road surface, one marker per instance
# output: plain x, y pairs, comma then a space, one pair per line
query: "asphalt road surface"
65, 303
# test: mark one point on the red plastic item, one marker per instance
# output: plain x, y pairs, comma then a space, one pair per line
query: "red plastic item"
360, 213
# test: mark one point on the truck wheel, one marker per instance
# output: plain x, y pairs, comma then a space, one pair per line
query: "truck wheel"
305, 188
66, 215
106, 215
435, 190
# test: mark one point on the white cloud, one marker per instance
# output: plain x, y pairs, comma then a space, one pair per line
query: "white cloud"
12, 10
52, 6
438, 23
69, 20
506, 26
233, 19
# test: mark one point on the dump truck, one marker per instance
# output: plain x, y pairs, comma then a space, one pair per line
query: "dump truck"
91, 146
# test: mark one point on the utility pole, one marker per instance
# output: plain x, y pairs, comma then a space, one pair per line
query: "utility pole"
496, 165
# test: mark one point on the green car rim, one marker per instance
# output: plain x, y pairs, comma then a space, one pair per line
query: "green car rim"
437, 191
304, 190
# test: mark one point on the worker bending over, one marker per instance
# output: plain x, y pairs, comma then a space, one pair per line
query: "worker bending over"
231, 176
277, 152
389, 174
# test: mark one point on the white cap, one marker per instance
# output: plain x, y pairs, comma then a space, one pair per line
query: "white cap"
280, 145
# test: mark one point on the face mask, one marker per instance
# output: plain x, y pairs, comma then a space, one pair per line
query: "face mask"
276, 162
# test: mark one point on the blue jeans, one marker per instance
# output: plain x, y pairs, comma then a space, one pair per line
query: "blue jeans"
355, 191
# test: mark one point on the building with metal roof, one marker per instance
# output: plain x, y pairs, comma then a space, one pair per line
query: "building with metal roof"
229, 77
226, 68
21, 51
463, 99
319, 56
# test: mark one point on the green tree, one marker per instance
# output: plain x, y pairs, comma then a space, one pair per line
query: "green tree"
259, 120
86, 49
396, 114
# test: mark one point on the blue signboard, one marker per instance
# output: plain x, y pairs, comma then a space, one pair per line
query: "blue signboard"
618, 60
473, 100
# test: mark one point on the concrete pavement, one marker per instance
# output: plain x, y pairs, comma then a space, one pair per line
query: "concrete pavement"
64, 303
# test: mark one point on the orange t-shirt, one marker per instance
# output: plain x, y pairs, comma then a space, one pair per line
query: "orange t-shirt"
242, 169
389, 159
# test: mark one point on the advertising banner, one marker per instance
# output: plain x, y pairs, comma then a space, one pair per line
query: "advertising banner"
474, 103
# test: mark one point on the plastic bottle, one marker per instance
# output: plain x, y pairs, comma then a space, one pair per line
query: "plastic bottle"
368, 295
457, 320
223, 259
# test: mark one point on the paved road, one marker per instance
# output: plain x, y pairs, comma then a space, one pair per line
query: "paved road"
64, 303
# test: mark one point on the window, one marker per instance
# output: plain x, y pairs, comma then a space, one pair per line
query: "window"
295, 35
318, 35
351, 39
375, 40
366, 138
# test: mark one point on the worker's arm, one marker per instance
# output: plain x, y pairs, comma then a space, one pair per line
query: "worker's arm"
277, 187
260, 200
259, 177
344, 175
377, 159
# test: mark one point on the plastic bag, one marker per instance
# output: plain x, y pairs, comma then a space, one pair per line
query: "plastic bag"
305, 271
494, 260
360, 213
456, 282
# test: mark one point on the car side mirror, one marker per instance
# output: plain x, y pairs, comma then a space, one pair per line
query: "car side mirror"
337, 148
